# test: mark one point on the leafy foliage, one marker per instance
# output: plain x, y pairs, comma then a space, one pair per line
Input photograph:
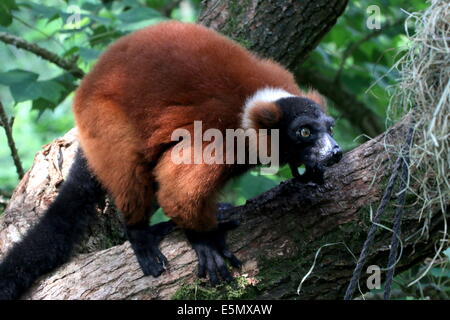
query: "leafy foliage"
360, 59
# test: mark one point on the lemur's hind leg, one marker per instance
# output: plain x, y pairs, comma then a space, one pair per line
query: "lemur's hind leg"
145, 243
145, 240
136, 201
120, 166
187, 193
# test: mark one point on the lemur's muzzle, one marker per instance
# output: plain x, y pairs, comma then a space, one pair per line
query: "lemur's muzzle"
324, 153
328, 150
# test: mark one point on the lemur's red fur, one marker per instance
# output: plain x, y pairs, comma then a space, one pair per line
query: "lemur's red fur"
264, 115
150, 83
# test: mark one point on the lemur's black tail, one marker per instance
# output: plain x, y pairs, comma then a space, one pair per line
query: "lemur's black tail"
49, 243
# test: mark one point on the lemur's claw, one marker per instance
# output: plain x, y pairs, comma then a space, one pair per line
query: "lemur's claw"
212, 252
145, 243
152, 261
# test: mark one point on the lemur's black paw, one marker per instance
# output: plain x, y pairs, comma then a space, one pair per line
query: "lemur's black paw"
212, 252
145, 243
151, 261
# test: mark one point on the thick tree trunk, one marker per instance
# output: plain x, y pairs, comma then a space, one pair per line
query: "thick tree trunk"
285, 30
281, 230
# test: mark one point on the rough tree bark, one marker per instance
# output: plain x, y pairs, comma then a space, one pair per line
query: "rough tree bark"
281, 229
285, 30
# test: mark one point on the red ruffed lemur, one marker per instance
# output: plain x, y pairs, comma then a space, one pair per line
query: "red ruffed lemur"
145, 86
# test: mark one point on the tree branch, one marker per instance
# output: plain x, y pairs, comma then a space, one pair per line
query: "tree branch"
43, 53
7, 126
285, 31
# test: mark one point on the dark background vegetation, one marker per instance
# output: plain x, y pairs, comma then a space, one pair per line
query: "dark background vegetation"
352, 67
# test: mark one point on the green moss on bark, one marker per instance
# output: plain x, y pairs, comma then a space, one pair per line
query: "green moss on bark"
280, 277
201, 290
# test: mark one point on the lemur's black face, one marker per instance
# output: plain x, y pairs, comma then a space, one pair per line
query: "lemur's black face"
306, 137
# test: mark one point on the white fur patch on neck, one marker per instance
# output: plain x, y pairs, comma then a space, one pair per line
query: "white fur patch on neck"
267, 94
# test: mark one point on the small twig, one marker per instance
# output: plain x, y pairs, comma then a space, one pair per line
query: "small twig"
7, 126
41, 52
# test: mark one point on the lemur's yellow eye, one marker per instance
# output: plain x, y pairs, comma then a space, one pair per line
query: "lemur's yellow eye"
331, 129
305, 132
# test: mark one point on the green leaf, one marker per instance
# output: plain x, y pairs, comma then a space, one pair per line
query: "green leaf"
252, 185
103, 35
158, 217
89, 54
130, 27
131, 3
52, 100
43, 11
91, 6
98, 19
10, 4
67, 80
24, 86
138, 14
338, 35
6, 6
5, 17
440, 273
447, 253
17, 76
42, 105
49, 89
71, 51
65, 16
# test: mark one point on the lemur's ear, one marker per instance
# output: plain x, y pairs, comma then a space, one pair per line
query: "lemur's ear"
263, 115
317, 98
